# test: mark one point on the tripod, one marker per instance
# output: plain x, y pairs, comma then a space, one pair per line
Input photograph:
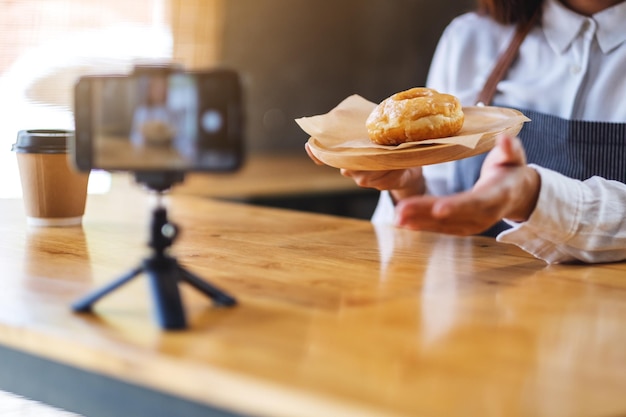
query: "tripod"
164, 273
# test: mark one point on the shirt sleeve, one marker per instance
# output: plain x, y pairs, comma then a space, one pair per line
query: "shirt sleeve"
574, 221
385, 210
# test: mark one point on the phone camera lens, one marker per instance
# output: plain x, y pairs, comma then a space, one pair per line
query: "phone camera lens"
212, 121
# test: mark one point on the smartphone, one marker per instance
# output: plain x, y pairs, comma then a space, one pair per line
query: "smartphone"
159, 120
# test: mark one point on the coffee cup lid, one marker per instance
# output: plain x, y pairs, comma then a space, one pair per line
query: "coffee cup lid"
42, 141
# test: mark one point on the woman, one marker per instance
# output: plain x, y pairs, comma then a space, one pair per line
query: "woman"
569, 203
154, 122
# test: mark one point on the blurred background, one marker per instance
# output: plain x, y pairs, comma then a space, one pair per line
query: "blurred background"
296, 57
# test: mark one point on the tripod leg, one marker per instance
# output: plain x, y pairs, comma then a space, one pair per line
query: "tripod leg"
220, 297
85, 304
164, 277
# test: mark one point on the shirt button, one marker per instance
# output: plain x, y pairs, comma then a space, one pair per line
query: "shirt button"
575, 69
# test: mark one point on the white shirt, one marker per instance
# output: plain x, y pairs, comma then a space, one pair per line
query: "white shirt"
581, 61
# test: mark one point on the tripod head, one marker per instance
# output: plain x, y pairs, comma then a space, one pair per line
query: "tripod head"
159, 181
162, 232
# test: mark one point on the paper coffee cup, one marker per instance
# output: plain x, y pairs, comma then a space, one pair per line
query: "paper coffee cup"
54, 193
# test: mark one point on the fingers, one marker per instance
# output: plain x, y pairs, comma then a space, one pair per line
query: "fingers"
508, 151
401, 182
513, 149
313, 157
379, 180
461, 214
420, 214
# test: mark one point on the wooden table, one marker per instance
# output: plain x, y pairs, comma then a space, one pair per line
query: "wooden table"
285, 181
335, 318
270, 175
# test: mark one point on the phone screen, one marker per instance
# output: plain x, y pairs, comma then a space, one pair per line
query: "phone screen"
159, 122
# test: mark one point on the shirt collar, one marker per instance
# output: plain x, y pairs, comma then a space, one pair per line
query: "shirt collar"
562, 25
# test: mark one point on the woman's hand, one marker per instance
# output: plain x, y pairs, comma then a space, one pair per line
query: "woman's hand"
401, 183
507, 188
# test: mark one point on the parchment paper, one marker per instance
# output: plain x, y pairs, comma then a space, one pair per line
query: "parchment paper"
344, 126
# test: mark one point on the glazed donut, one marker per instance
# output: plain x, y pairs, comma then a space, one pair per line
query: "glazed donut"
413, 115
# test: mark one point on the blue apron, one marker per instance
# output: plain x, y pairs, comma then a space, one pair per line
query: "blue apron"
575, 148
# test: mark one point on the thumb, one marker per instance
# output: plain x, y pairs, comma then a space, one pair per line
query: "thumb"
508, 151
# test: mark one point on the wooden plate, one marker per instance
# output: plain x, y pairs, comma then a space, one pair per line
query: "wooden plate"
488, 121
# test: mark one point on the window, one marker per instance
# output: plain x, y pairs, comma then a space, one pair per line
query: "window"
45, 45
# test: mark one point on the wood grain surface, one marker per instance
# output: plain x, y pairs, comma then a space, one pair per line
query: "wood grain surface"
336, 317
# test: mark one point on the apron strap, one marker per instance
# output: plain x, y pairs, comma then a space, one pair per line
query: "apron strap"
504, 61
